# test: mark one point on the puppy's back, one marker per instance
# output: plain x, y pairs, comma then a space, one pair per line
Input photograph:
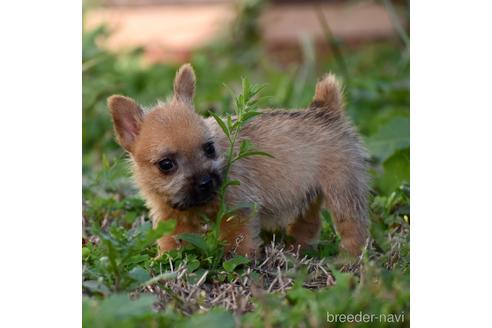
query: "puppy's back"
310, 147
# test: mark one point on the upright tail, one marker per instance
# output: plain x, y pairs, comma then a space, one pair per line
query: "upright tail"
329, 94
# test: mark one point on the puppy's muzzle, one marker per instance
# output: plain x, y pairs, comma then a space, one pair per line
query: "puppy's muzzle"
205, 184
202, 189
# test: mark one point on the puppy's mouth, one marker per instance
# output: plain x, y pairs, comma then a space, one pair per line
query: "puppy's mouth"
200, 192
192, 202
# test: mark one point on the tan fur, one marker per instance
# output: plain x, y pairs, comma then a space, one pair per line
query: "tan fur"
329, 93
306, 228
318, 160
184, 86
127, 119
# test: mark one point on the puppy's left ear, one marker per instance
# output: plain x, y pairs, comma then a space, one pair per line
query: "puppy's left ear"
127, 120
184, 84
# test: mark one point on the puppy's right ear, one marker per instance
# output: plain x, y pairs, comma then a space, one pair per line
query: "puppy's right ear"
127, 120
184, 84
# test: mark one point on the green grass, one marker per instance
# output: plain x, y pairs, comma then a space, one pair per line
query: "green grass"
125, 285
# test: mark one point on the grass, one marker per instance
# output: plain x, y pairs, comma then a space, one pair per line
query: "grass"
124, 284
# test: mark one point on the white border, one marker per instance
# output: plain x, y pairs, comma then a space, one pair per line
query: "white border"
451, 163
40, 173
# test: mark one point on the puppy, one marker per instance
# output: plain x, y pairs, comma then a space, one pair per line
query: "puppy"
318, 161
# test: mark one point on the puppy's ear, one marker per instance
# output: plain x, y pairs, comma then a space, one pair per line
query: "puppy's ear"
184, 84
127, 119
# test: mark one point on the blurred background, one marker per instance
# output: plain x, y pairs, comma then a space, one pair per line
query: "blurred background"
133, 47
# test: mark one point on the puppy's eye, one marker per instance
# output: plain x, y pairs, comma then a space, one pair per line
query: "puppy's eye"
166, 165
209, 149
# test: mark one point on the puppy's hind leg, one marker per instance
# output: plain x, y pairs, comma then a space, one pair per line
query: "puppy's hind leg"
344, 179
348, 207
307, 227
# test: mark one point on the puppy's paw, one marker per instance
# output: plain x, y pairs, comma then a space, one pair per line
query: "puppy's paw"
167, 243
243, 246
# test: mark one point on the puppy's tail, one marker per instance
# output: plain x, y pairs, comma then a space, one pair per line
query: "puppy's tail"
329, 94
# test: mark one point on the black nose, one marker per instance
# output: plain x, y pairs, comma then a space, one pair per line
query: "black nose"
205, 184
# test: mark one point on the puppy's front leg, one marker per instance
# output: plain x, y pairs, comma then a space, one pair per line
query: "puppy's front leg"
239, 236
170, 242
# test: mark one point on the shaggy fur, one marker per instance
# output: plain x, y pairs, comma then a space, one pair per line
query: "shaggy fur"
318, 161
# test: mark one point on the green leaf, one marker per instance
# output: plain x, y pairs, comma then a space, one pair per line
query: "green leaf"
246, 88
213, 318
96, 287
221, 123
146, 235
231, 126
85, 252
119, 306
165, 228
193, 264
232, 183
391, 137
196, 240
249, 115
115, 311
232, 264
139, 274
245, 146
239, 105
253, 153
162, 276
396, 171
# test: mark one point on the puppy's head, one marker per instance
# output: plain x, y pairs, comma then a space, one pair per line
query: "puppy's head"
174, 151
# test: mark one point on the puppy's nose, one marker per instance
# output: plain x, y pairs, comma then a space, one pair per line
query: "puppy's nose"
205, 183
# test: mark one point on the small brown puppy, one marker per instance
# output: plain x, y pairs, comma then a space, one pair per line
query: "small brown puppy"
318, 160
